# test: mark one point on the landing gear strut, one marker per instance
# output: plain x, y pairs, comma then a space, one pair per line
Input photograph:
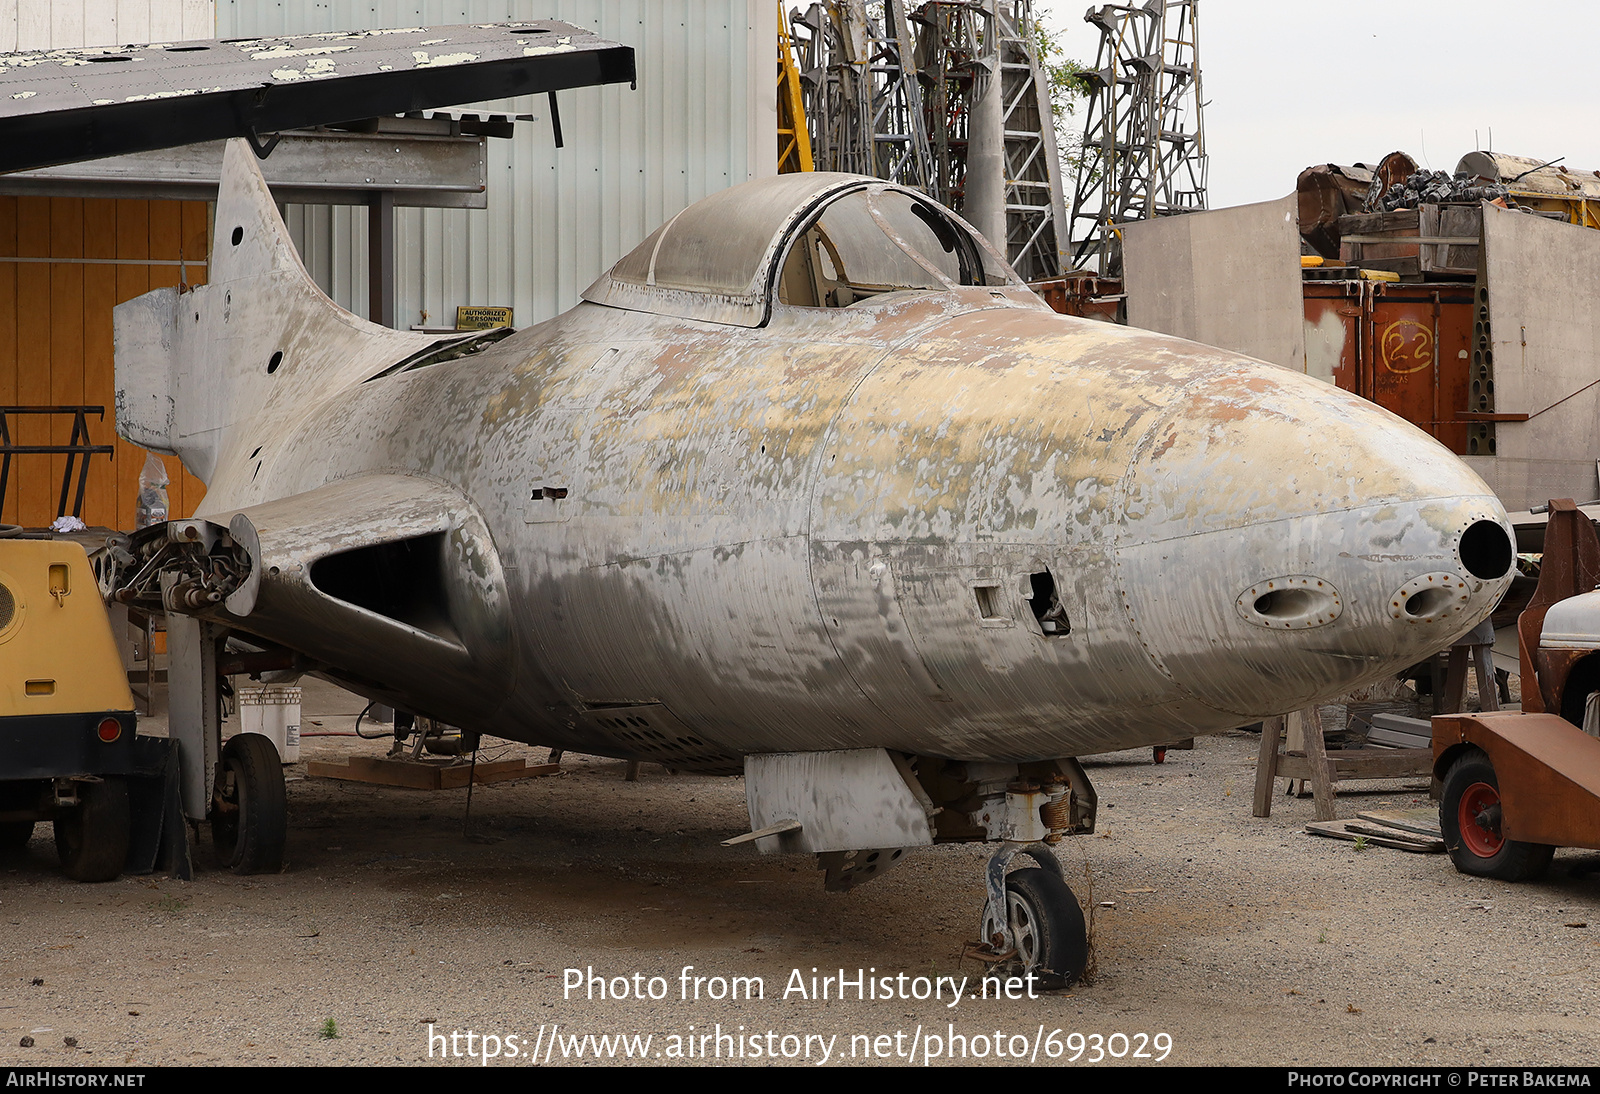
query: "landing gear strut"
1041, 930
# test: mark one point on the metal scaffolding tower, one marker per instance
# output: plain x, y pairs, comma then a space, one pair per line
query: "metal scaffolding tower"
1144, 142
949, 100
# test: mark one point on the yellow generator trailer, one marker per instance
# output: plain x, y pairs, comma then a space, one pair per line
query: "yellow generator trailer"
66, 714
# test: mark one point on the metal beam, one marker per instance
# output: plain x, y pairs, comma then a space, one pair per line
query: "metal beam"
317, 167
380, 260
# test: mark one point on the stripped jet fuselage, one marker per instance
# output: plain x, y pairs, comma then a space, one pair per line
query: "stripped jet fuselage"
808, 470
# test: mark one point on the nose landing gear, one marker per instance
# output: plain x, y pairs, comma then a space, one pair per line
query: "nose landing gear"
1031, 922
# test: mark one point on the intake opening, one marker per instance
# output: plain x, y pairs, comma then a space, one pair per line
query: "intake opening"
399, 580
1486, 550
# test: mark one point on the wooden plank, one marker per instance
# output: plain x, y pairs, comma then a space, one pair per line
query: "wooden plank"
1385, 763
1424, 822
1369, 828
1455, 681
1353, 763
1267, 766
1316, 759
426, 774
1341, 830
1399, 220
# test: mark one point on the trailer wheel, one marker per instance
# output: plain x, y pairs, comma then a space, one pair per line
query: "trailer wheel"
1469, 816
92, 839
249, 810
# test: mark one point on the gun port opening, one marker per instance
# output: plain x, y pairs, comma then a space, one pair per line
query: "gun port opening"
1284, 603
1295, 601
1428, 602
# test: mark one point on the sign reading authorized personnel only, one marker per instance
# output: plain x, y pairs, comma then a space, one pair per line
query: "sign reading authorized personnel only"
480, 318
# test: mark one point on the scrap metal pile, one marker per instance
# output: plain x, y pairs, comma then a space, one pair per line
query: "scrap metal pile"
1434, 187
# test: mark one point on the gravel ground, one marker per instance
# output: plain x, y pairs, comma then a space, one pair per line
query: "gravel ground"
1244, 941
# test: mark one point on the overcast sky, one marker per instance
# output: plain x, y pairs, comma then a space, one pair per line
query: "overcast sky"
1289, 84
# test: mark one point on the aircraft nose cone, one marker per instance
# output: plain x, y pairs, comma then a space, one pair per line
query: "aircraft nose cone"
1327, 543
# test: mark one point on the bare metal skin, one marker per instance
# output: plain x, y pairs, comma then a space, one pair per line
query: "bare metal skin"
947, 522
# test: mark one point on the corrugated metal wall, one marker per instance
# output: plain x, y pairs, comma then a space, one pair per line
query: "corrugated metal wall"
65, 24
704, 118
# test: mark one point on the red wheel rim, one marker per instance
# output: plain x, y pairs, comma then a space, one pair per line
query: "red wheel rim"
1481, 841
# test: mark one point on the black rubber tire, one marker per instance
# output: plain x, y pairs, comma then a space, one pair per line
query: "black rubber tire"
1052, 941
14, 836
92, 837
1514, 860
249, 809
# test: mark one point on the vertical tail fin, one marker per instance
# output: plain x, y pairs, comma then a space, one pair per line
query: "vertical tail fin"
259, 341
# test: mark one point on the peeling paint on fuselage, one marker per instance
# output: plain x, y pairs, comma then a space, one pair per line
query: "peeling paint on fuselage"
776, 533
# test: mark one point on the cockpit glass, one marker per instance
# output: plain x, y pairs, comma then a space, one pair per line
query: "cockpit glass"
873, 242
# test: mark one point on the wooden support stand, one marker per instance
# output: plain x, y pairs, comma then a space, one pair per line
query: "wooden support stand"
1326, 769
425, 774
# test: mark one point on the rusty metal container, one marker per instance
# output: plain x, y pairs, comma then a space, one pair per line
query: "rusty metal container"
1085, 297
1406, 347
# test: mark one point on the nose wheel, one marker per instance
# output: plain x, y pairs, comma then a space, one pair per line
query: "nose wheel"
249, 810
1032, 922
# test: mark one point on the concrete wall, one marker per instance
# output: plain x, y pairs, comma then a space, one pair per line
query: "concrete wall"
704, 118
1228, 278
1544, 285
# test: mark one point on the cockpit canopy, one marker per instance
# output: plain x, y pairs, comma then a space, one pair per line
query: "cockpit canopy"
810, 239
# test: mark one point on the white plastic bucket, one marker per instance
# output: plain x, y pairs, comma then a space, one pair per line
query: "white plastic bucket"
274, 712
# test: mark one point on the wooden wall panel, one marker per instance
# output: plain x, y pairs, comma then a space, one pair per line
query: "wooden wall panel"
8, 327
56, 337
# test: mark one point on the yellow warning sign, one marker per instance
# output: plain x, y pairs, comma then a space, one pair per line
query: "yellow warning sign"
479, 318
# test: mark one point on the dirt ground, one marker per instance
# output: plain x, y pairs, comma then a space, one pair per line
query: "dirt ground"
1243, 941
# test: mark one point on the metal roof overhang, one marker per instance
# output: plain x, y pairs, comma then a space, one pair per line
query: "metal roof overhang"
64, 105
437, 170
